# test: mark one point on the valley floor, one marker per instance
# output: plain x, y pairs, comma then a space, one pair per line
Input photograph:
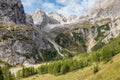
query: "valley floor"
16, 69
107, 71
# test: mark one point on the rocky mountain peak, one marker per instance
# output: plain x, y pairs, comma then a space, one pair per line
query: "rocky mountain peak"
105, 8
59, 17
39, 17
12, 11
71, 18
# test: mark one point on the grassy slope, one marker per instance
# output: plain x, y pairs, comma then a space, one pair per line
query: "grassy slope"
108, 71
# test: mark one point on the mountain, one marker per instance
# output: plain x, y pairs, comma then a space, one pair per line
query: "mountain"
41, 19
12, 11
29, 19
22, 44
58, 44
59, 17
106, 8
71, 18
94, 29
20, 41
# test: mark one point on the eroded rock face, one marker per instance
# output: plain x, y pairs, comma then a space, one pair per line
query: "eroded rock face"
58, 17
71, 18
12, 11
105, 8
41, 19
29, 20
21, 44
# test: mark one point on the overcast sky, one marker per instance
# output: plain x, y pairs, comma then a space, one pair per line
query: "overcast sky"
65, 7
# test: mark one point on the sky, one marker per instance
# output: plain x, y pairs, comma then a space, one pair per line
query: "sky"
64, 7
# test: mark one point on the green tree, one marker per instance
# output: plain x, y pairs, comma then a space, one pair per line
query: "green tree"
94, 56
7, 75
1, 74
50, 68
43, 69
73, 64
19, 74
64, 69
95, 68
56, 68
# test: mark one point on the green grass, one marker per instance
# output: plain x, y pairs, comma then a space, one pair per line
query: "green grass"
103, 55
108, 71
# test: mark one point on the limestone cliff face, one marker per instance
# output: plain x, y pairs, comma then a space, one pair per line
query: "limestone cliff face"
98, 27
29, 20
114, 30
24, 43
41, 19
89, 36
12, 11
105, 8
58, 17
21, 44
71, 18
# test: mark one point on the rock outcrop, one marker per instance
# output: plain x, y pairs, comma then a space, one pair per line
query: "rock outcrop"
29, 20
21, 44
59, 17
72, 18
104, 9
12, 11
41, 19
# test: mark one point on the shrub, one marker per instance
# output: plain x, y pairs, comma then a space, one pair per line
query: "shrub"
50, 55
25, 72
19, 74
80, 61
1, 74
94, 57
56, 68
73, 64
50, 68
106, 53
64, 69
5, 74
43, 69
80, 64
95, 68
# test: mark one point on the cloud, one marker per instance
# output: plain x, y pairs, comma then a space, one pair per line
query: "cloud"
65, 7
61, 1
31, 5
28, 3
75, 7
71, 7
50, 5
